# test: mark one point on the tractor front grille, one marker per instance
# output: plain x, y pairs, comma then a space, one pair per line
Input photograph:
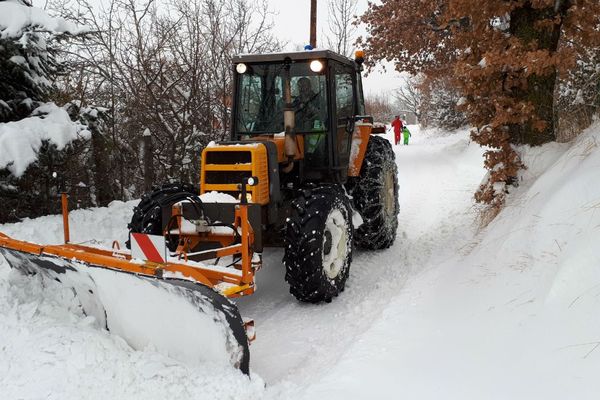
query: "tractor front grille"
226, 177
228, 157
224, 166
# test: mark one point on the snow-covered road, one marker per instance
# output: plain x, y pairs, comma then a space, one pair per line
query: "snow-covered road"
508, 313
299, 343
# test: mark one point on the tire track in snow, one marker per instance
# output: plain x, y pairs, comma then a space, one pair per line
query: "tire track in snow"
297, 342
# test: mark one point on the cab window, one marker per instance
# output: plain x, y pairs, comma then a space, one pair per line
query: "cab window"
345, 107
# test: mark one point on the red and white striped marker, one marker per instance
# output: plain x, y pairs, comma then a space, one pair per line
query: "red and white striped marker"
148, 247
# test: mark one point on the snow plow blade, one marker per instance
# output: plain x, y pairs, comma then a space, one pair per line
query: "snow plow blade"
173, 313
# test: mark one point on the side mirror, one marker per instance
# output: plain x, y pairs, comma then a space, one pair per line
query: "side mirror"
350, 123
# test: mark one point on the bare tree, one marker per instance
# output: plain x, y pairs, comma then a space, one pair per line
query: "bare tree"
408, 96
380, 108
342, 30
164, 70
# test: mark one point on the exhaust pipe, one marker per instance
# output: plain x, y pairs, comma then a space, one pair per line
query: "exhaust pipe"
289, 120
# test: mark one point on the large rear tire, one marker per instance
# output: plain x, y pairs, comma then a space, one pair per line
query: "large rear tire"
318, 244
147, 215
375, 196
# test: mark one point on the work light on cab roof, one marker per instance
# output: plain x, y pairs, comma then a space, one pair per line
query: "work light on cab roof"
241, 68
316, 66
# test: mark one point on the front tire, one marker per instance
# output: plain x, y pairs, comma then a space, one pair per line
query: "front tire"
318, 244
147, 215
375, 196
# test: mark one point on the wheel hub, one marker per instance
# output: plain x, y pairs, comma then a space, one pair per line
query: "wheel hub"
335, 244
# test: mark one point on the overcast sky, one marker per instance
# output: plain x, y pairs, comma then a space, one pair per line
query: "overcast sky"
292, 24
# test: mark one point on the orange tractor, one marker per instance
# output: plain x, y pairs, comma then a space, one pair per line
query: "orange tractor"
304, 170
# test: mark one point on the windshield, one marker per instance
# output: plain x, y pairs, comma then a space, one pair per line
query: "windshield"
261, 103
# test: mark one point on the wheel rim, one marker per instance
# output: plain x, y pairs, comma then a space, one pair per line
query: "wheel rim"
387, 194
335, 244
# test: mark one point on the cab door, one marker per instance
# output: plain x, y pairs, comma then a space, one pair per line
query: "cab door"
344, 89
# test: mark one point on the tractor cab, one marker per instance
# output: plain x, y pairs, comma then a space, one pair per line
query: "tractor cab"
308, 101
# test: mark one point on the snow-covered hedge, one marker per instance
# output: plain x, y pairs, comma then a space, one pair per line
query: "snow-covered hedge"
20, 141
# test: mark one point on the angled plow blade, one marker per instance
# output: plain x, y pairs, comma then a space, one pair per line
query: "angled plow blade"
185, 320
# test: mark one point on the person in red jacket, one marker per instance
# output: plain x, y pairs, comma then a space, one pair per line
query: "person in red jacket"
398, 126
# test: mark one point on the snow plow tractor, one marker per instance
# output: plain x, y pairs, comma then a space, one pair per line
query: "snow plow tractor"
304, 169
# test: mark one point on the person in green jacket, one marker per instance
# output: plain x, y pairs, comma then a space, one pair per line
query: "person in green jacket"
406, 134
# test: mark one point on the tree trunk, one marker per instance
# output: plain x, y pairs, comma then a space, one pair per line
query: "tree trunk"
540, 88
101, 173
148, 165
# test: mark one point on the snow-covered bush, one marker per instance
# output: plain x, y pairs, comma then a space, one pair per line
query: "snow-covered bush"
440, 102
27, 61
36, 136
579, 95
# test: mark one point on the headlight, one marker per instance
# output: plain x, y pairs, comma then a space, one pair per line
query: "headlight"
241, 68
316, 66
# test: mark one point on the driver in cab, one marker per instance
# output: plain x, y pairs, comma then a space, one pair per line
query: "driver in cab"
306, 105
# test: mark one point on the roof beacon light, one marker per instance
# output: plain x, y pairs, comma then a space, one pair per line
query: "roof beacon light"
316, 66
241, 68
359, 56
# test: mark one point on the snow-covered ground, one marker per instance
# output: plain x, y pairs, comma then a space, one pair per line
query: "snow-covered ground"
508, 312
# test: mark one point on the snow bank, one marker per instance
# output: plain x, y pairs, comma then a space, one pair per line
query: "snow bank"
20, 141
98, 226
15, 17
56, 352
513, 315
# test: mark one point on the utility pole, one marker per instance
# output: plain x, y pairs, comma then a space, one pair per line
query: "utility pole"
313, 24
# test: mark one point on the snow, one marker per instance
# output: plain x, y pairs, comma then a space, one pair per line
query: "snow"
450, 311
217, 197
70, 352
215, 144
513, 315
354, 151
98, 226
137, 324
14, 18
357, 220
56, 352
20, 141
